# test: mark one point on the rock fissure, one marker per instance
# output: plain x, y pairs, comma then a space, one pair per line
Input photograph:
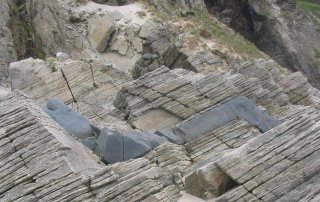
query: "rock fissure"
66, 80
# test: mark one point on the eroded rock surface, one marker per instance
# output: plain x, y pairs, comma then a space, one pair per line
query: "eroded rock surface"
40, 161
7, 52
100, 30
282, 29
197, 118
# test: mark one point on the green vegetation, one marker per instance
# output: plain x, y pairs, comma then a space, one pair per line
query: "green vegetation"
309, 5
202, 24
51, 63
33, 43
141, 14
206, 26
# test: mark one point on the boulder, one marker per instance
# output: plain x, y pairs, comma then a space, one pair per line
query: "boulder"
70, 120
99, 31
24, 73
120, 45
113, 146
110, 146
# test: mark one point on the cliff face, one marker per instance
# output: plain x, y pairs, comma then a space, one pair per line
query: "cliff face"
285, 30
148, 100
7, 52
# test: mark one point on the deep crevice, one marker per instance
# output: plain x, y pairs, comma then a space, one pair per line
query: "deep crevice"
225, 182
26, 42
66, 80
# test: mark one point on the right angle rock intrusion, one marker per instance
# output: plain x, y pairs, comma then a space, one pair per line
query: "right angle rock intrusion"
130, 112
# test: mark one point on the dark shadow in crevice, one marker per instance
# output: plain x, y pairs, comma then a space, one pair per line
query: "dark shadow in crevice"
26, 42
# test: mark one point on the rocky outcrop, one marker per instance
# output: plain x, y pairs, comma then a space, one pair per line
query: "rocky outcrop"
266, 176
230, 158
184, 94
7, 52
279, 28
26, 72
168, 6
89, 88
40, 161
196, 119
100, 29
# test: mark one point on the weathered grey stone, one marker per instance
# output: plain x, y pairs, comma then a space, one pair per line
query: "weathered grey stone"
90, 88
62, 56
146, 29
99, 31
121, 45
7, 51
155, 119
26, 72
184, 94
137, 44
166, 6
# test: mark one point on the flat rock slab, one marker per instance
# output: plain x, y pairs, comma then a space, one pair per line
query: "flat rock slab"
240, 107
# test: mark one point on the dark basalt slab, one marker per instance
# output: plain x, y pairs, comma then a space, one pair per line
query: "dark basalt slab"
151, 139
70, 120
169, 134
113, 146
239, 107
110, 146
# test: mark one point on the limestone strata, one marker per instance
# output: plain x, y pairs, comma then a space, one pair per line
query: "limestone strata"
185, 94
236, 159
266, 175
88, 87
42, 162
39, 159
7, 52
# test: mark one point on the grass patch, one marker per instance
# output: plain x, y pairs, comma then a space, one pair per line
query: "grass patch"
141, 14
202, 24
206, 26
309, 6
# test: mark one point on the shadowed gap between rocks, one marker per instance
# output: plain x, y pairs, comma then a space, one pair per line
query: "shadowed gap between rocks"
209, 182
26, 41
